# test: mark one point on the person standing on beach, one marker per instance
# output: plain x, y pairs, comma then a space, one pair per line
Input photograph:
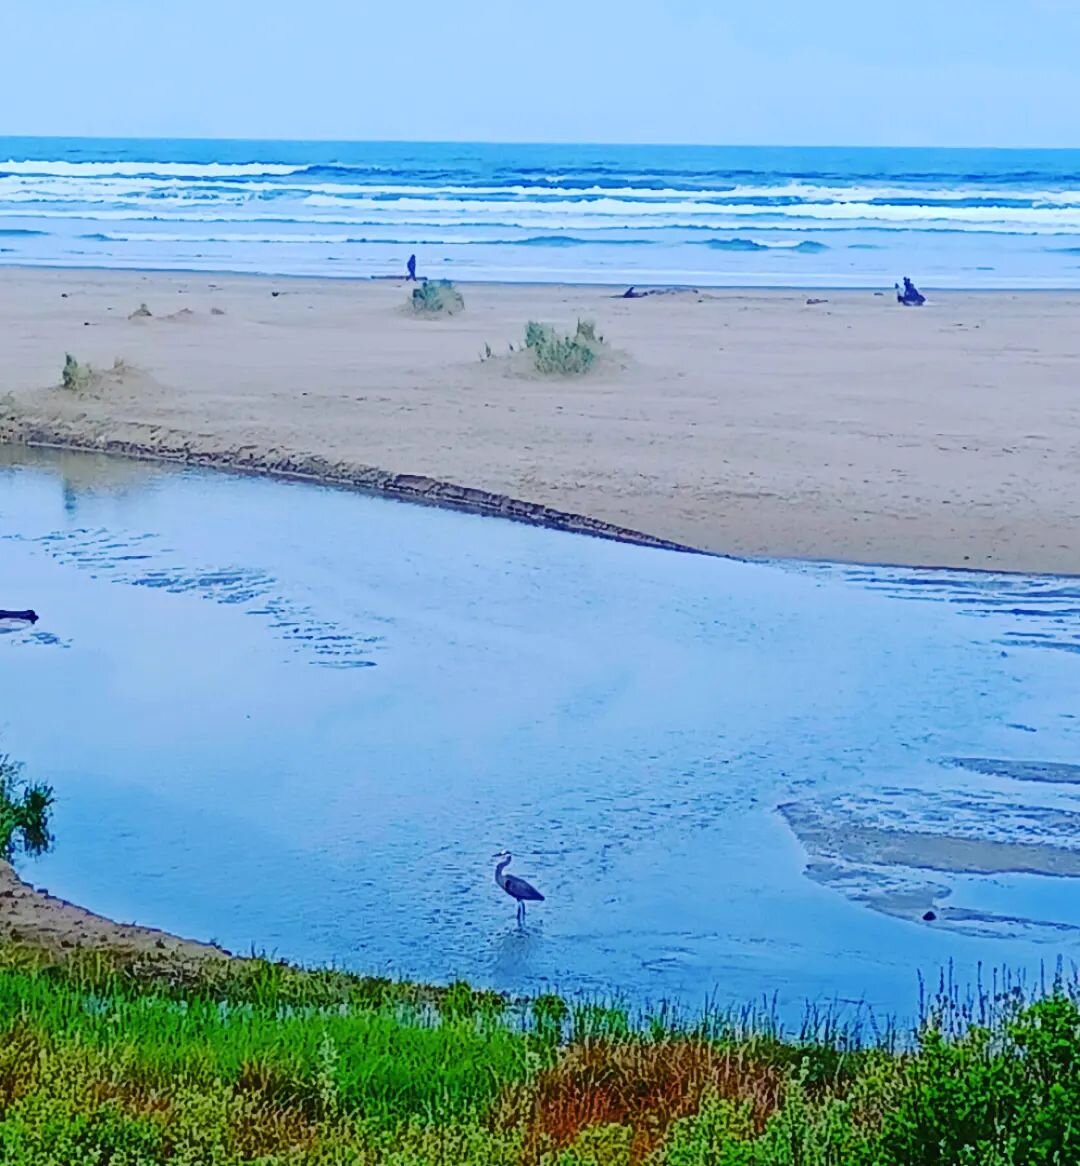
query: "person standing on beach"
411, 267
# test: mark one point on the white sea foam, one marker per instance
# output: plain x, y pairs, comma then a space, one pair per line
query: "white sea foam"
180, 192
563, 218
178, 202
88, 186
177, 169
299, 237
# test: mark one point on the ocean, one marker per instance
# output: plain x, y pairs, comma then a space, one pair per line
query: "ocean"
648, 215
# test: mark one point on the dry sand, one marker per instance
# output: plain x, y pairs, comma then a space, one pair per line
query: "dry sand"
750, 423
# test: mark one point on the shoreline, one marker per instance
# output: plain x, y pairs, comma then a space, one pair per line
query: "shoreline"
748, 424
395, 278
416, 489
31, 917
450, 496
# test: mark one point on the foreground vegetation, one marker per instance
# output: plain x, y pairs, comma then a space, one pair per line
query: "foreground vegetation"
133, 1063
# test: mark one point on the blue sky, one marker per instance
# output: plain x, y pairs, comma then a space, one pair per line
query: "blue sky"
853, 72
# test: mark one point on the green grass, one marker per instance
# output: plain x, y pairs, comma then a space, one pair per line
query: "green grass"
436, 297
134, 1062
567, 356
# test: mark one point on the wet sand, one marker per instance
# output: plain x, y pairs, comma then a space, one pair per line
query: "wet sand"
749, 423
30, 916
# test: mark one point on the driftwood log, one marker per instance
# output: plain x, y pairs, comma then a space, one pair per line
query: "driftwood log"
29, 616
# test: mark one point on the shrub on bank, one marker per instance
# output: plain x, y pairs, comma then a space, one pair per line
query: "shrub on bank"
24, 813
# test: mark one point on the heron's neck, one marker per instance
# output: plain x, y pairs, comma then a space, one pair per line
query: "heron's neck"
500, 878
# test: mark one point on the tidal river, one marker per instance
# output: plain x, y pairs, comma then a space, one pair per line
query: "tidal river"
301, 720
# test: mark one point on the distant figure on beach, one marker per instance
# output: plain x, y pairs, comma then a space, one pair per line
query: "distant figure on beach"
910, 297
411, 267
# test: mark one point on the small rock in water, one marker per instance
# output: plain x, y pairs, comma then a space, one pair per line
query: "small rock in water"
929, 916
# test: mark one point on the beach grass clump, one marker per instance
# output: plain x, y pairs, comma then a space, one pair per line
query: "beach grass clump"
107, 1057
25, 808
436, 297
75, 375
563, 355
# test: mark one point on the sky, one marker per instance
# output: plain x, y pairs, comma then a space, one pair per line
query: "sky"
781, 72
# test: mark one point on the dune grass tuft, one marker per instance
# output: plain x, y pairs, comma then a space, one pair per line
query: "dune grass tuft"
557, 355
435, 297
77, 375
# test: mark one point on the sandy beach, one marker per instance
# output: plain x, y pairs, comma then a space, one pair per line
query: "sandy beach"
748, 423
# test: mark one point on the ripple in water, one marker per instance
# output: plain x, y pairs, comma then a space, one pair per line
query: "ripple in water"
107, 554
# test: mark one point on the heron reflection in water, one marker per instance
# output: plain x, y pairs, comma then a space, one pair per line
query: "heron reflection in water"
515, 887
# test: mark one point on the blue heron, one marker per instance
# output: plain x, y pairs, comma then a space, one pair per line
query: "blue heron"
516, 888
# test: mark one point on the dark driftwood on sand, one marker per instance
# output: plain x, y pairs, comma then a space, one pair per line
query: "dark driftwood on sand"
29, 616
632, 292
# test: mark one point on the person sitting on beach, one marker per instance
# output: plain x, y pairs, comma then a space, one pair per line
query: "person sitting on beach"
910, 297
411, 267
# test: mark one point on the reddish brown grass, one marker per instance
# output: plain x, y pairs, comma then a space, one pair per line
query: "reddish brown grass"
260, 1129
643, 1084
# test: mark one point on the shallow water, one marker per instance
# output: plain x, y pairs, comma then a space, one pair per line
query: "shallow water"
302, 720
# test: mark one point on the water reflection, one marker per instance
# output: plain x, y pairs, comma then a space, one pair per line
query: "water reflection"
517, 954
